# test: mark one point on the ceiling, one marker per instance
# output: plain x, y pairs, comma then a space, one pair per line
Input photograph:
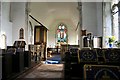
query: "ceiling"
48, 12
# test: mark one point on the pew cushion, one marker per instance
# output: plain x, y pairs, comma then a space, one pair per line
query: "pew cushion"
101, 72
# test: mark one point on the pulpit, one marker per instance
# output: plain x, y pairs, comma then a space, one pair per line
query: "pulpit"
40, 38
94, 42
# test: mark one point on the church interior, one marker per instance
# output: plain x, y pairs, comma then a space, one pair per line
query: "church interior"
60, 40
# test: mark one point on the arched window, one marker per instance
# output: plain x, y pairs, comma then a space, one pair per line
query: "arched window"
115, 19
62, 33
21, 33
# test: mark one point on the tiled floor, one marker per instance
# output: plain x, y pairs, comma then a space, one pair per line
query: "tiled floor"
45, 71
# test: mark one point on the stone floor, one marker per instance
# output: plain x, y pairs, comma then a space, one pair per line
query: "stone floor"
44, 72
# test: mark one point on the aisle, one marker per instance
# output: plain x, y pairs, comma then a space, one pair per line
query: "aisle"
45, 72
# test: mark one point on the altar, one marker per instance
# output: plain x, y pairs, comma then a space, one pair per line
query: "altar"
51, 51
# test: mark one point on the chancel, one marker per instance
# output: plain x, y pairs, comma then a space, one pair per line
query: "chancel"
62, 40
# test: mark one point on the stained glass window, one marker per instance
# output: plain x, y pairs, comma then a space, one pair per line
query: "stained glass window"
61, 33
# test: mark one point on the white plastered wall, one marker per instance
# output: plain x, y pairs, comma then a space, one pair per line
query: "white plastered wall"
6, 25
19, 21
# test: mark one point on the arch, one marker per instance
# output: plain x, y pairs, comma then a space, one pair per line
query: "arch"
115, 19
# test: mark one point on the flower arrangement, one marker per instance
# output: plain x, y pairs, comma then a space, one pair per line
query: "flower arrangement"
111, 39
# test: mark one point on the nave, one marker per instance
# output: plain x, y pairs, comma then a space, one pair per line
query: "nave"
75, 64
82, 36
